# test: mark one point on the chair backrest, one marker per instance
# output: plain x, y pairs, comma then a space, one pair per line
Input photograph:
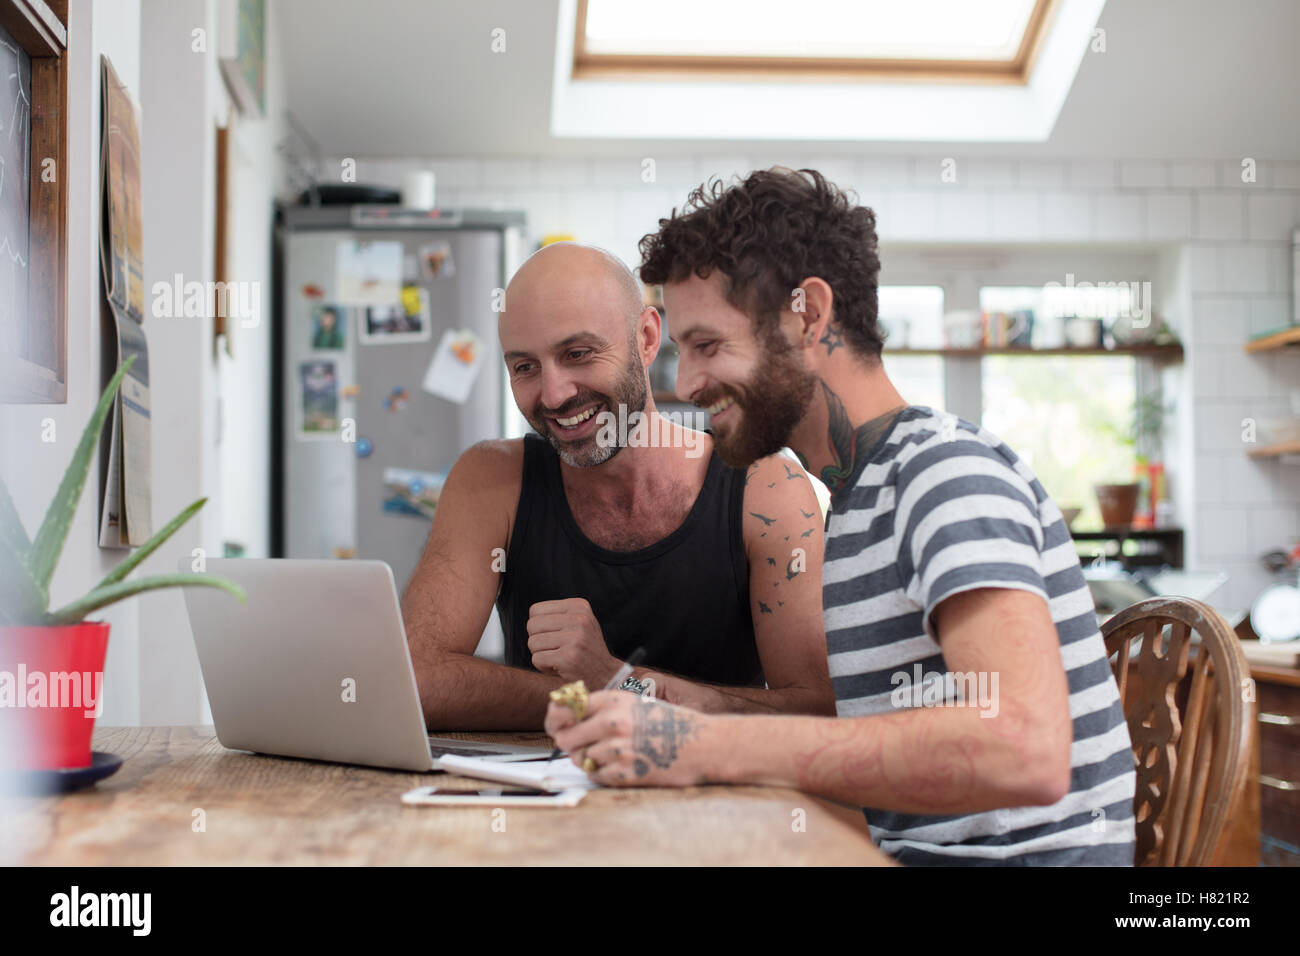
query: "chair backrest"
1191, 765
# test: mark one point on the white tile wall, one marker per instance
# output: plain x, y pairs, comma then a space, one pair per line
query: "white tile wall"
563, 172
1094, 174
1040, 174
884, 171
1144, 175
1016, 216
499, 173
964, 213
986, 173
1169, 216
1233, 173
1270, 215
1121, 217
1237, 237
1285, 175
1068, 216
1194, 175
1220, 215
913, 214
1244, 267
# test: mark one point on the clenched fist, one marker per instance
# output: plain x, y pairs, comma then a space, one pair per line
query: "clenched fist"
566, 640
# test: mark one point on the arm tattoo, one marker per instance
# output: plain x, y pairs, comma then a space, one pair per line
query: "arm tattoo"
657, 732
767, 522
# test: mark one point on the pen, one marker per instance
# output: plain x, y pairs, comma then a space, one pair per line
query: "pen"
621, 675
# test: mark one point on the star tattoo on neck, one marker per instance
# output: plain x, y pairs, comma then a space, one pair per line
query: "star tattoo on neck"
832, 339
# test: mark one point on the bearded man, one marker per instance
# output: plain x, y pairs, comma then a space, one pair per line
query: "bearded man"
594, 538
979, 722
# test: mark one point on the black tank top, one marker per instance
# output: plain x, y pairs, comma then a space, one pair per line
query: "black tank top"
685, 598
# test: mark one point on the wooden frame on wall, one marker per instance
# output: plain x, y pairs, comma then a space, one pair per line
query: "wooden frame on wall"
38, 371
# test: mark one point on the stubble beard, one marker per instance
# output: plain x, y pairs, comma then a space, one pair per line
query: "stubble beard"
590, 452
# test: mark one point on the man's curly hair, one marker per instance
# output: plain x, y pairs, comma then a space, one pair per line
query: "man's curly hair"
766, 235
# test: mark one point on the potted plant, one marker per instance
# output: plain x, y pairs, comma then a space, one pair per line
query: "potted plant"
52, 661
1119, 502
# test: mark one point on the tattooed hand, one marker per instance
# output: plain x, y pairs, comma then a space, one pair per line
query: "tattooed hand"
637, 743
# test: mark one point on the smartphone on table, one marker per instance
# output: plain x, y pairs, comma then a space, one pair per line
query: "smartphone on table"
492, 796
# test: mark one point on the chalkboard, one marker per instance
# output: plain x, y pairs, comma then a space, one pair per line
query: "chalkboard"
15, 192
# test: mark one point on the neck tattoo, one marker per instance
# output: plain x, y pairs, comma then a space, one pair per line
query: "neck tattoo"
847, 445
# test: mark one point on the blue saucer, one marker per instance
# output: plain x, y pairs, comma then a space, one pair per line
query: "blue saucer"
64, 780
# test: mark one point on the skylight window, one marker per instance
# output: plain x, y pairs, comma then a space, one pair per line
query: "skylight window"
985, 39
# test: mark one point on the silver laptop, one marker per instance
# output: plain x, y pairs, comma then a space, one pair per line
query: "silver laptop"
316, 665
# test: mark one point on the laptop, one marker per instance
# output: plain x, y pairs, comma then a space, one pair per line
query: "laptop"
316, 666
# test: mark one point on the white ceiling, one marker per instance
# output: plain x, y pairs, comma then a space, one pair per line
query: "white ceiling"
396, 78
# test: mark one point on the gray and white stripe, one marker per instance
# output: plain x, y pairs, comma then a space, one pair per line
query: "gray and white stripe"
930, 516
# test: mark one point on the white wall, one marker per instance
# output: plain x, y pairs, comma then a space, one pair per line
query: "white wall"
31, 468
151, 675
1224, 248
201, 448
255, 180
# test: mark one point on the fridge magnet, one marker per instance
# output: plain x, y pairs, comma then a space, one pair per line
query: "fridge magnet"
436, 261
365, 448
404, 320
368, 273
411, 492
319, 399
328, 327
396, 400
455, 366
350, 391
312, 291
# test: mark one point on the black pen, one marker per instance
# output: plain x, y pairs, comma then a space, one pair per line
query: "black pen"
619, 677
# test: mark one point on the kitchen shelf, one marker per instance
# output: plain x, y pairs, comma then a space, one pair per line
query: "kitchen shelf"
1276, 450
1170, 352
1277, 340
1159, 546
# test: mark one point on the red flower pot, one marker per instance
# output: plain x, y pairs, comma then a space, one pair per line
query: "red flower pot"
51, 686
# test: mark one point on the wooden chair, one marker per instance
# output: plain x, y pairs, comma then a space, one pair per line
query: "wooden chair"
1192, 760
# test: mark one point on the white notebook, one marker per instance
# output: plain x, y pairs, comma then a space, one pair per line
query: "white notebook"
552, 775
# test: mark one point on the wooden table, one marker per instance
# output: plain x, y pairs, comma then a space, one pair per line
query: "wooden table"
268, 810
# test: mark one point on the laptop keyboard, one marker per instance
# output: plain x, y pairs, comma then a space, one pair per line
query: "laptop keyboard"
439, 750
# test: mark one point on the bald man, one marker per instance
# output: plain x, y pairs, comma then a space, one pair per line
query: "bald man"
610, 529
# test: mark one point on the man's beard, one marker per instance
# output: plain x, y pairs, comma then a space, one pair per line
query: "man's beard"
590, 451
771, 405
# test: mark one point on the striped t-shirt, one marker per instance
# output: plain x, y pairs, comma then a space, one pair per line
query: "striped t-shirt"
939, 506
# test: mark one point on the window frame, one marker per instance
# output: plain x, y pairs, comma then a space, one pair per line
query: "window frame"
40, 28
962, 272
1016, 71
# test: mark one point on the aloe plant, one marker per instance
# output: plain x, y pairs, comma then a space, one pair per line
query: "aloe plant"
26, 567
